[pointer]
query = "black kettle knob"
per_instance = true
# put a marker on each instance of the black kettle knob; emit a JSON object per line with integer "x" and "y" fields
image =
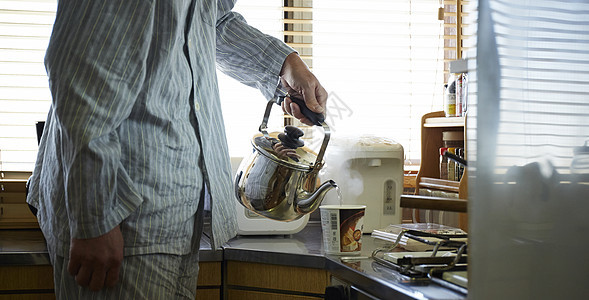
{"x": 290, "y": 137}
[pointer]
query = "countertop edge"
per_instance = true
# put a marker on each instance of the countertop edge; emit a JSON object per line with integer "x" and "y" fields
{"x": 276, "y": 258}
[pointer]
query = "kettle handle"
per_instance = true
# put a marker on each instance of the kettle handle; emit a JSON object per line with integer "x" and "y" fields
{"x": 326, "y": 135}
{"x": 315, "y": 118}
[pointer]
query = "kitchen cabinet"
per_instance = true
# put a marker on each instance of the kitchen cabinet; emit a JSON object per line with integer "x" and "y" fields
{"x": 26, "y": 282}
{"x": 36, "y": 282}
{"x": 432, "y": 126}
{"x": 209, "y": 281}
{"x": 246, "y": 280}
{"x": 255, "y": 295}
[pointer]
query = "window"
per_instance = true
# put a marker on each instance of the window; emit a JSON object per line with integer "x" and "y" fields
{"x": 25, "y": 27}
{"x": 382, "y": 63}
{"x": 243, "y": 106}
{"x": 459, "y": 30}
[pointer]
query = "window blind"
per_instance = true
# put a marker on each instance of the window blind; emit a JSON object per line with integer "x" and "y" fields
{"x": 243, "y": 106}
{"x": 25, "y": 27}
{"x": 459, "y": 20}
{"x": 530, "y": 109}
{"x": 544, "y": 82}
{"x": 298, "y": 28}
{"x": 382, "y": 64}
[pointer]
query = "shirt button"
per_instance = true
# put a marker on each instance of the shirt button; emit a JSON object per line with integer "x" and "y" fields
{"x": 196, "y": 106}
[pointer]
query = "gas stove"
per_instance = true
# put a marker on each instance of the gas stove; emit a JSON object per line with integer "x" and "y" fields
{"x": 440, "y": 253}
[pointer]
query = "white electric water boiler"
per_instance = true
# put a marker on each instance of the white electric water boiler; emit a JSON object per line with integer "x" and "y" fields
{"x": 369, "y": 171}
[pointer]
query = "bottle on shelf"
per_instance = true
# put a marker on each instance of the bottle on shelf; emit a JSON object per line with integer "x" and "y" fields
{"x": 450, "y": 99}
{"x": 443, "y": 163}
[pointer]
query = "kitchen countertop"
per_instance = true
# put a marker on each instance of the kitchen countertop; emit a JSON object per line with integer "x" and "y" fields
{"x": 304, "y": 249}
{"x": 22, "y": 247}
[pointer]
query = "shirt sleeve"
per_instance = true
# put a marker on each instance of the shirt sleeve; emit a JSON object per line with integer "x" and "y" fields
{"x": 96, "y": 64}
{"x": 248, "y": 55}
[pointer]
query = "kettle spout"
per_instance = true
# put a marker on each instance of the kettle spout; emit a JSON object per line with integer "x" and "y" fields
{"x": 310, "y": 204}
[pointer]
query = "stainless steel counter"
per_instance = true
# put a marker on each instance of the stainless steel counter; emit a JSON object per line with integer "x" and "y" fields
{"x": 22, "y": 247}
{"x": 27, "y": 247}
{"x": 304, "y": 249}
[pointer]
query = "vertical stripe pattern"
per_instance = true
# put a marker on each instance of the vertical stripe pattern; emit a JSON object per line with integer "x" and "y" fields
{"x": 147, "y": 276}
{"x": 135, "y": 127}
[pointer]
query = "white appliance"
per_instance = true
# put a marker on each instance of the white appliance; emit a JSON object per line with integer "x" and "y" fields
{"x": 250, "y": 223}
{"x": 368, "y": 170}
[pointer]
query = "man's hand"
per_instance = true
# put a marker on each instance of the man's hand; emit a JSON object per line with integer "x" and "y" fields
{"x": 96, "y": 262}
{"x": 299, "y": 81}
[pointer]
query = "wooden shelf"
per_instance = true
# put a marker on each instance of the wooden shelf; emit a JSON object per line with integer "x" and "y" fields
{"x": 444, "y": 122}
{"x": 436, "y": 203}
{"x": 432, "y": 127}
{"x": 440, "y": 184}
{"x": 431, "y": 142}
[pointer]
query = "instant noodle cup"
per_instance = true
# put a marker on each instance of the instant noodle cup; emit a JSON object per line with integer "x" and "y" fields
{"x": 342, "y": 228}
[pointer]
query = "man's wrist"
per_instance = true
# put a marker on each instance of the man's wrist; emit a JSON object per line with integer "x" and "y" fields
{"x": 290, "y": 60}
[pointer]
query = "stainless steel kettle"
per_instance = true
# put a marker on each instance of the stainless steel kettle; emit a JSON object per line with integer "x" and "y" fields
{"x": 283, "y": 187}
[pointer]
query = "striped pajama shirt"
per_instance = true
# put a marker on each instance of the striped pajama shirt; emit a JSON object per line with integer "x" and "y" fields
{"x": 135, "y": 128}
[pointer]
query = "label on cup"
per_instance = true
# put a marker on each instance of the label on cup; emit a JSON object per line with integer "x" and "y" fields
{"x": 342, "y": 227}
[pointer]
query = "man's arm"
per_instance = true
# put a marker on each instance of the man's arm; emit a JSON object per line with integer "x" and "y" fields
{"x": 96, "y": 262}
{"x": 258, "y": 60}
{"x": 299, "y": 81}
{"x": 95, "y": 62}
{"x": 96, "y": 65}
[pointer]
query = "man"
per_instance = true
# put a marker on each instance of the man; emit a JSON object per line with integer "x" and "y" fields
{"x": 135, "y": 134}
